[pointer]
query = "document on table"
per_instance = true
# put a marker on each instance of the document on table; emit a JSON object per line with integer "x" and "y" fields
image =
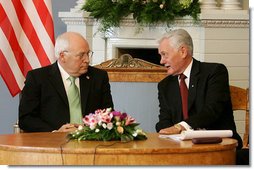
{"x": 190, "y": 134}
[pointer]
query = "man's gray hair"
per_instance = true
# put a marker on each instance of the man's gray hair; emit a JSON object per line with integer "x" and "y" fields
{"x": 178, "y": 38}
{"x": 61, "y": 45}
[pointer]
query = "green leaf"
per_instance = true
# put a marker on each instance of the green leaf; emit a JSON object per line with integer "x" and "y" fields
{"x": 111, "y": 13}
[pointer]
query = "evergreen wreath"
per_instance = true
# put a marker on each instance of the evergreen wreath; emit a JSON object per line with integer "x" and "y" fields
{"x": 145, "y": 12}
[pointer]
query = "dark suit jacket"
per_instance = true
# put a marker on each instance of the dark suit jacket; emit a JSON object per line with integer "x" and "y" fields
{"x": 44, "y": 104}
{"x": 209, "y": 102}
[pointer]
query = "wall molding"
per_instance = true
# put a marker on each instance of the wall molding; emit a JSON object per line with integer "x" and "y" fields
{"x": 209, "y": 18}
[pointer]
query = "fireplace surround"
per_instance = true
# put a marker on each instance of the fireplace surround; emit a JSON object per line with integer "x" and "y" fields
{"x": 105, "y": 46}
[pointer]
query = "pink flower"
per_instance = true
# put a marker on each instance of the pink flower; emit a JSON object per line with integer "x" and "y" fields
{"x": 129, "y": 120}
{"x": 119, "y": 116}
{"x": 90, "y": 119}
{"x": 123, "y": 116}
{"x": 115, "y": 113}
{"x": 107, "y": 118}
{"x": 92, "y": 126}
{"x": 100, "y": 116}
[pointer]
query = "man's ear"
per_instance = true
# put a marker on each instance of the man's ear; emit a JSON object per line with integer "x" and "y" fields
{"x": 62, "y": 57}
{"x": 183, "y": 51}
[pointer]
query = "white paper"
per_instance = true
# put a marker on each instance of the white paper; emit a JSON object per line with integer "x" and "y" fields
{"x": 190, "y": 134}
{"x": 174, "y": 137}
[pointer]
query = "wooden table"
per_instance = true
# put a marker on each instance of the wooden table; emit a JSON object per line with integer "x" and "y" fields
{"x": 55, "y": 149}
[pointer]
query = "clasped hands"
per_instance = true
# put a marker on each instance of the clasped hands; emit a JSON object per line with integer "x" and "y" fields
{"x": 176, "y": 129}
{"x": 68, "y": 128}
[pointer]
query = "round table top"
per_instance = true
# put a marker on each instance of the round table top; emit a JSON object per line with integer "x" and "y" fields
{"x": 54, "y": 142}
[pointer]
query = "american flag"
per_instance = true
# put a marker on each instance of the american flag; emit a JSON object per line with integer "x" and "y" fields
{"x": 26, "y": 39}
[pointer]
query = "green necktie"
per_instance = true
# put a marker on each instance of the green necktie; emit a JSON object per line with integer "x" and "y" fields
{"x": 74, "y": 102}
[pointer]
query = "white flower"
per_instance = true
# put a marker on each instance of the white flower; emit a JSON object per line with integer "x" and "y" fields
{"x": 92, "y": 126}
{"x": 108, "y": 110}
{"x": 140, "y": 132}
{"x": 161, "y": 6}
{"x": 80, "y": 127}
{"x": 110, "y": 126}
{"x": 137, "y": 132}
{"x": 104, "y": 125}
{"x": 118, "y": 123}
{"x": 97, "y": 130}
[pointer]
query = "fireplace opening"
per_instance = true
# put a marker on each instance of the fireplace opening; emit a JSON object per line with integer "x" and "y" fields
{"x": 150, "y": 55}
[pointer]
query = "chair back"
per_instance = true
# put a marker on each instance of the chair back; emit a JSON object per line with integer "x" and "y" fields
{"x": 240, "y": 101}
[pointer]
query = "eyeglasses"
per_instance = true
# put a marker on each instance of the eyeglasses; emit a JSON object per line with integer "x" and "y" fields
{"x": 82, "y": 55}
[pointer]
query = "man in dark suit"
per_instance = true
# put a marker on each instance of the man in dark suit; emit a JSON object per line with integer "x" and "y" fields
{"x": 44, "y": 103}
{"x": 208, "y": 104}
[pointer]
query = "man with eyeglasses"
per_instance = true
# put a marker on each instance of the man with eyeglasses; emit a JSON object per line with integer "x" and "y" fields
{"x": 45, "y": 104}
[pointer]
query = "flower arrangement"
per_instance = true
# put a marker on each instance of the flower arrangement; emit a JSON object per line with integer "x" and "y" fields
{"x": 145, "y": 12}
{"x": 107, "y": 125}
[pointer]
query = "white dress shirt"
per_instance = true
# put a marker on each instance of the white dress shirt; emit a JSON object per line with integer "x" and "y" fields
{"x": 65, "y": 79}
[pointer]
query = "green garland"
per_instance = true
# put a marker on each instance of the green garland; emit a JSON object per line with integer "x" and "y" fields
{"x": 145, "y": 12}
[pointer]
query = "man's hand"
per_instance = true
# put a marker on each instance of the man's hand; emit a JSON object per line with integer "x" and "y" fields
{"x": 68, "y": 128}
{"x": 176, "y": 129}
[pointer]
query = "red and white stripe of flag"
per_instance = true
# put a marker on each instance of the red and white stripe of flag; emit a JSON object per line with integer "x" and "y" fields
{"x": 26, "y": 39}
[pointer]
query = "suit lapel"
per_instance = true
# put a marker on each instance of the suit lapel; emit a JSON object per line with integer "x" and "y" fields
{"x": 56, "y": 81}
{"x": 193, "y": 83}
{"x": 85, "y": 81}
{"x": 175, "y": 95}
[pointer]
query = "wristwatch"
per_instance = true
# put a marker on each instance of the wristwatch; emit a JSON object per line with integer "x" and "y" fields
{"x": 179, "y": 127}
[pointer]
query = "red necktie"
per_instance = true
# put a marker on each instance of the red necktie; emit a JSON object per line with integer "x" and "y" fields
{"x": 184, "y": 95}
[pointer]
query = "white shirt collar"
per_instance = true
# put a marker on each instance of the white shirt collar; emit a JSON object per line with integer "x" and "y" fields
{"x": 187, "y": 71}
{"x": 65, "y": 77}
{"x": 64, "y": 74}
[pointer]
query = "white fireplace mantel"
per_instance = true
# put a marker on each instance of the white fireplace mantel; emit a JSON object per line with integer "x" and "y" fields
{"x": 209, "y": 18}
{"x": 129, "y": 36}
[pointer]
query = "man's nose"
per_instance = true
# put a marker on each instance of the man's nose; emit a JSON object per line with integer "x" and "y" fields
{"x": 162, "y": 61}
{"x": 86, "y": 59}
